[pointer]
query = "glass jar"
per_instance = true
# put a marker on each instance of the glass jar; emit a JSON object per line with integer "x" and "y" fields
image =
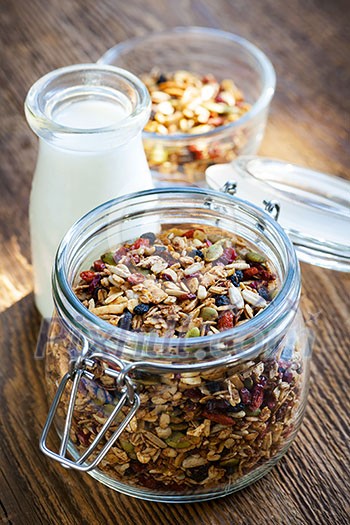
{"x": 182, "y": 158}
{"x": 175, "y": 420}
{"x": 89, "y": 120}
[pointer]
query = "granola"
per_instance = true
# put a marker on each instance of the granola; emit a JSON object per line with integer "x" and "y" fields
{"x": 195, "y": 430}
{"x": 181, "y": 283}
{"x": 188, "y": 103}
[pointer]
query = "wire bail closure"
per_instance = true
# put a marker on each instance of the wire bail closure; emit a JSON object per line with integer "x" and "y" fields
{"x": 128, "y": 396}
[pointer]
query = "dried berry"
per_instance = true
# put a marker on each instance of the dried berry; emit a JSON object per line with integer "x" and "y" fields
{"x": 237, "y": 408}
{"x": 118, "y": 255}
{"x": 226, "y": 320}
{"x": 246, "y": 396}
{"x": 250, "y": 272}
{"x": 150, "y": 236}
{"x": 87, "y": 276}
{"x": 236, "y": 278}
{"x": 217, "y": 405}
{"x": 99, "y": 265}
{"x": 219, "y": 418}
{"x": 125, "y": 321}
{"x": 139, "y": 243}
{"x": 199, "y": 473}
{"x": 222, "y": 300}
{"x": 199, "y": 253}
{"x": 141, "y": 308}
{"x": 229, "y": 255}
{"x": 263, "y": 291}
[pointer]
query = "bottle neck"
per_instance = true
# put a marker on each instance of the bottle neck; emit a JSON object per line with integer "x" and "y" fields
{"x": 88, "y": 107}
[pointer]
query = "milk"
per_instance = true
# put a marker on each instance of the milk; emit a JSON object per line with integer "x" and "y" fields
{"x": 70, "y": 181}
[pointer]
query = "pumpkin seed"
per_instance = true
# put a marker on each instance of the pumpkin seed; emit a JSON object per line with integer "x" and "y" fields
{"x": 255, "y": 257}
{"x": 208, "y": 313}
{"x": 213, "y": 252}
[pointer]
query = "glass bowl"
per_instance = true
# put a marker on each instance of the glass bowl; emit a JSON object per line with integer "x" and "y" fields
{"x": 182, "y": 158}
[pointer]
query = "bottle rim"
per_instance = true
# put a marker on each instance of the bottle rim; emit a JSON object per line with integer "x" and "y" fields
{"x": 92, "y": 80}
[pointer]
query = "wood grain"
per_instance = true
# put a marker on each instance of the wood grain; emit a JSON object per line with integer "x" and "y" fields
{"x": 308, "y": 44}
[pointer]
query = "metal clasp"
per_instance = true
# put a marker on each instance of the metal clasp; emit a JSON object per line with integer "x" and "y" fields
{"x": 273, "y": 208}
{"x": 128, "y": 396}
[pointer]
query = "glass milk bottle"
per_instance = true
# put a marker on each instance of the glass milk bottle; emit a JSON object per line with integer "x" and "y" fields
{"x": 89, "y": 120}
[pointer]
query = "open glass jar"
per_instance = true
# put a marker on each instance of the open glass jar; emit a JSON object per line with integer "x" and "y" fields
{"x": 175, "y": 420}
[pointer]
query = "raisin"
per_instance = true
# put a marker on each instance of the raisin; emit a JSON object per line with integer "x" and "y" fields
{"x": 214, "y": 386}
{"x": 263, "y": 291}
{"x": 199, "y": 253}
{"x": 150, "y": 236}
{"x": 162, "y": 78}
{"x": 199, "y": 473}
{"x": 236, "y": 278}
{"x": 125, "y": 321}
{"x": 222, "y": 300}
{"x": 141, "y": 309}
{"x": 217, "y": 405}
{"x": 237, "y": 408}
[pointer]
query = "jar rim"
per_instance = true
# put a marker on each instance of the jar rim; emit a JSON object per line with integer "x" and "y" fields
{"x": 267, "y": 71}
{"x": 41, "y": 122}
{"x": 257, "y": 330}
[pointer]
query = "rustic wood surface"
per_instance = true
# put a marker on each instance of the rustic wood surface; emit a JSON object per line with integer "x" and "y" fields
{"x": 307, "y": 42}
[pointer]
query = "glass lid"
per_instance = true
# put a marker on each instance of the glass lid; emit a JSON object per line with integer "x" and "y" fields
{"x": 312, "y": 207}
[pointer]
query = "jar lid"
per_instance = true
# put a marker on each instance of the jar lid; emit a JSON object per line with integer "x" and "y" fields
{"x": 312, "y": 207}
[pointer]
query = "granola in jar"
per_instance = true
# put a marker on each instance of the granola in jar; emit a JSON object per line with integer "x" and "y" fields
{"x": 194, "y": 430}
{"x": 192, "y": 104}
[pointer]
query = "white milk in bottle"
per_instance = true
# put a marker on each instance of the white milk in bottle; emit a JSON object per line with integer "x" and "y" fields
{"x": 89, "y": 120}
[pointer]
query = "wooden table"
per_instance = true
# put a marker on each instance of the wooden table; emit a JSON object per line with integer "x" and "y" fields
{"x": 307, "y": 44}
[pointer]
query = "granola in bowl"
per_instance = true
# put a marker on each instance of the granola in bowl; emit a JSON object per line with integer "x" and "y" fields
{"x": 186, "y": 103}
{"x": 196, "y": 430}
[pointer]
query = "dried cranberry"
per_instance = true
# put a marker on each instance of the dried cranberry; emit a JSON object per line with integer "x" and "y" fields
{"x": 193, "y": 393}
{"x": 150, "y": 236}
{"x": 83, "y": 438}
{"x": 287, "y": 376}
{"x": 139, "y": 243}
{"x": 87, "y": 276}
{"x": 226, "y": 320}
{"x": 135, "y": 278}
{"x": 250, "y": 272}
{"x": 119, "y": 253}
{"x": 222, "y": 300}
{"x": 94, "y": 284}
{"x": 236, "y": 278}
{"x": 185, "y": 296}
{"x": 141, "y": 308}
{"x": 99, "y": 265}
{"x": 219, "y": 418}
{"x": 189, "y": 234}
{"x": 257, "y": 397}
{"x": 245, "y": 396}
{"x": 229, "y": 255}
